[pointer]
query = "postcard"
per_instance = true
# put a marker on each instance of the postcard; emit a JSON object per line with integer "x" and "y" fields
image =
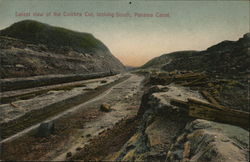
{"x": 124, "y": 80}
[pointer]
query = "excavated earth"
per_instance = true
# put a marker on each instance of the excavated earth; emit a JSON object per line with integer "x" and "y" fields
{"x": 160, "y": 132}
{"x": 141, "y": 125}
{"x": 128, "y": 117}
{"x": 31, "y": 48}
{"x": 82, "y": 124}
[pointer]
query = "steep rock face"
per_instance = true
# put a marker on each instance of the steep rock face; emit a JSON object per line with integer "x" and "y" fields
{"x": 29, "y": 48}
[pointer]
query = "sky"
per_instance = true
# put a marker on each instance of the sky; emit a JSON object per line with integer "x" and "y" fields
{"x": 185, "y": 25}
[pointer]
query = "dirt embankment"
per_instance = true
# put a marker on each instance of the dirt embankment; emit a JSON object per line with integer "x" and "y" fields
{"x": 109, "y": 142}
{"x": 45, "y": 80}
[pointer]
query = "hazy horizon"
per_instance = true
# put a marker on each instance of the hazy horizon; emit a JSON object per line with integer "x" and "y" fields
{"x": 191, "y": 25}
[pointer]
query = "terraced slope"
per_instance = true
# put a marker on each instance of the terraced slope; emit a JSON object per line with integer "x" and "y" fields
{"x": 29, "y": 48}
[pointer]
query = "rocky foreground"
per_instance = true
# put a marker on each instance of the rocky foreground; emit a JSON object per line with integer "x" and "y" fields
{"x": 164, "y": 130}
{"x": 166, "y": 134}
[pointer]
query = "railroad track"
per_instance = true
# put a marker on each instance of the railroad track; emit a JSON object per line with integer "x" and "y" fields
{"x": 36, "y": 116}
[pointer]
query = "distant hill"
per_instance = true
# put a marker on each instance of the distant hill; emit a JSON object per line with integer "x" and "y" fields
{"x": 29, "y": 48}
{"x": 160, "y": 61}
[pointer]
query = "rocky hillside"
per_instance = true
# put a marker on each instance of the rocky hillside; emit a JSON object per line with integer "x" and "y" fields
{"x": 29, "y": 48}
{"x": 164, "y": 59}
{"x": 191, "y": 111}
{"x": 228, "y": 59}
{"x": 225, "y": 66}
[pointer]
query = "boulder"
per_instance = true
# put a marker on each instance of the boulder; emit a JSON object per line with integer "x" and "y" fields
{"x": 69, "y": 154}
{"x": 45, "y": 129}
{"x": 78, "y": 148}
{"x": 105, "y": 107}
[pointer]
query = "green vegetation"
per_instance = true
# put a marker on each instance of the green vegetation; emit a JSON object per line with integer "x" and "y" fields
{"x": 53, "y": 37}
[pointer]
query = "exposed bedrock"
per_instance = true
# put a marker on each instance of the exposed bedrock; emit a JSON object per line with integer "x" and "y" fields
{"x": 167, "y": 134}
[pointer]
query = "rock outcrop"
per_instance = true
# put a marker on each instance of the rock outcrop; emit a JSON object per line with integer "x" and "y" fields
{"x": 30, "y": 48}
{"x": 167, "y": 134}
{"x": 204, "y": 140}
{"x": 105, "y": 107}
